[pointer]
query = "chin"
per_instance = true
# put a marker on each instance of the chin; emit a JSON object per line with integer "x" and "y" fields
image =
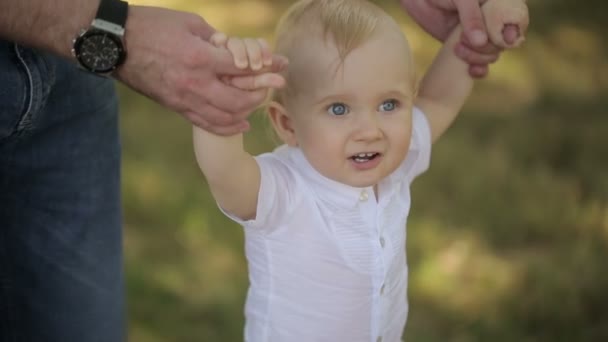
{"x": 364, "y": 183}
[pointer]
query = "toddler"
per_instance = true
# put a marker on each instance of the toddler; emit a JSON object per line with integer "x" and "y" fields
{"x": 325, "y": 214}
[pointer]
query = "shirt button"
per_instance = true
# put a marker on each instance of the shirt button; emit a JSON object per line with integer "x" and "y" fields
{"x": 379, "y": 339}
{"x": 364, "y": 196}
{"x": 382, "y": 242}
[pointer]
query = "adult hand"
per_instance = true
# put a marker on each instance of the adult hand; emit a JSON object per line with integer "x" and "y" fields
{"x": 171, "y": 61}
{"x": 439, "y": 17}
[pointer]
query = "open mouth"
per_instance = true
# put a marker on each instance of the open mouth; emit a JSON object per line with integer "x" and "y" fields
{"x": 364, "y": 157}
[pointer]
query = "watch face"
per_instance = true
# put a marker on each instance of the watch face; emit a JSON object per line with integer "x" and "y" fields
{"x": 99, "y": 52}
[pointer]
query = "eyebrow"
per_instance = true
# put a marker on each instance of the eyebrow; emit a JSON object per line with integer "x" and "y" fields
{"x": 331, "y": 98}
{"x": 394, "y": 93}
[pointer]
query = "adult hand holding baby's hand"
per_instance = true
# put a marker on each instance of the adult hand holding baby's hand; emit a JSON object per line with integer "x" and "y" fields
{"x": 440, "y": 17}
{"x": 172, "y": 61}
{"x": 253, "y": 54}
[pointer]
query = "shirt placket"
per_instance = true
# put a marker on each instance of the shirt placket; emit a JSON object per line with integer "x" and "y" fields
{"x": 372, "y": 214}
{"x": 383, "y": 300}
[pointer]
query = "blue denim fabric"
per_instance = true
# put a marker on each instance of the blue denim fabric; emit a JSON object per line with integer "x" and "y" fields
{"x": 60, "y": 221}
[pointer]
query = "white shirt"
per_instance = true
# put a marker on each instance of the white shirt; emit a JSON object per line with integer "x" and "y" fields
{"x": 327, "y": 261}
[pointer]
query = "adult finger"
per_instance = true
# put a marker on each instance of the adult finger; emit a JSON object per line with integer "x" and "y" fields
{"x": 472, "y": 21}
{"x": 510, "y": 34}
{"x": 513, "y": 35}
{"x": 219, "y": 39}
{"x": 505, "y": 36}
{"x": 478, "y": 71}
{"x": 254, "y": 82}
{"x": 487, "y": 49}
{"x": 471, "y": 56}
{"x": 210, "y": 115}
{"x": 516, "y": 24}
{"x": 258, "y": 96}
{"x": 231, "y": 99}
{"x": 199, "y": 26}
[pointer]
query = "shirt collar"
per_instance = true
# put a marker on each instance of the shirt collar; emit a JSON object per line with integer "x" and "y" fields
{"x": 332, "y": 190}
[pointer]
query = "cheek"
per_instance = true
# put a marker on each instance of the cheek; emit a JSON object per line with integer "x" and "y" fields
{"x": 400, "y": 134}
{"x": 315, "y": 131}
{"x": 322, "y": 144}
{"x": 319, "y": 139}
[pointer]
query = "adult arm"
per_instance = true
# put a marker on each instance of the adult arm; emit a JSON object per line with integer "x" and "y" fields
{"x": 169, "y": 57}
{"x": 48, "y": 25}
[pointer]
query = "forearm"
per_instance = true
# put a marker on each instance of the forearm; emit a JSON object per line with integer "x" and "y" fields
{"x": 46, "y": 24}
{"x": 232, "y": 174}
{"x": 445, "y": 87}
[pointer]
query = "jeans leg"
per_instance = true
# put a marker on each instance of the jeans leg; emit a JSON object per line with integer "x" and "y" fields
{"x": 60, "y": 221}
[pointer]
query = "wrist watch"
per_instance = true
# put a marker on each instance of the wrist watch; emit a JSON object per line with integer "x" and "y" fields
{"x": 100, "y": 48}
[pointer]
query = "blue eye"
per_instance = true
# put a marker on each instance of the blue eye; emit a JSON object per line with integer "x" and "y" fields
{"x": 388, "y": 106}
{"x": 337, "y": 109}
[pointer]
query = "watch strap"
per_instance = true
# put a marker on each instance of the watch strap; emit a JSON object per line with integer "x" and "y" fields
{"x": 114, "y": 11}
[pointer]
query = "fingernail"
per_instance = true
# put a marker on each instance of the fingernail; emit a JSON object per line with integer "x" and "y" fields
{"x": 478, "y": 37}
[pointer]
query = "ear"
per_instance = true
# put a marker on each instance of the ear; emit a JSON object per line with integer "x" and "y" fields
{"x": 282, "y": 123}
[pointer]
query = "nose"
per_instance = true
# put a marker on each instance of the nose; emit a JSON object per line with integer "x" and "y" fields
{"x": 367, "y": 127}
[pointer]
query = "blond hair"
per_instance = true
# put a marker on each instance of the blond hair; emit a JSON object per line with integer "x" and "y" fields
{"x": 345, "y": 23}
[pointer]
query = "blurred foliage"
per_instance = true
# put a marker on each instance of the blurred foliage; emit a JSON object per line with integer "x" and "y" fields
{"x": 508, "y": 234}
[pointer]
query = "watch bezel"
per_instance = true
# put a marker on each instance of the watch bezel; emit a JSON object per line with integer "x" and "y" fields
{"x": 97, "y": 32}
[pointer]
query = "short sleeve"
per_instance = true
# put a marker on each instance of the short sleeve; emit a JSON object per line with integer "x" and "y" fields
{"x": 275, "y": 198}
{"x": 419, "y": 154}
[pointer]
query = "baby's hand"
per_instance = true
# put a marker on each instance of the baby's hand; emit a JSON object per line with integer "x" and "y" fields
{"x": 507, "y": 22}
{"x": 253, "y": 54}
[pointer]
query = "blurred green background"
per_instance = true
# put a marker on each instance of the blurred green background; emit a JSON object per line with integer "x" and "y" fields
{"x": 508, "y": 235}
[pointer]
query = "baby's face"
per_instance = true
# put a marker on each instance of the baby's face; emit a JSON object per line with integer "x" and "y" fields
{"x": 353, "y": 119}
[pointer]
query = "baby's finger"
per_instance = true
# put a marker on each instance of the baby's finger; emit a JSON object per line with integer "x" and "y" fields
{"x": 266, "y": 53}
{"x": 487, "y": 49}
{"x": 255, "y": 82}
{"x": 239, "y": 52}
{"x": 218, "y": 39}
{"x": 254, "y": 52}
{"x": 472, "y": 21}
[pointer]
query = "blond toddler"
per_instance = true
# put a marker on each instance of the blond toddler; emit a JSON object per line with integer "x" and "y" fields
{"x": 325, "y": 213}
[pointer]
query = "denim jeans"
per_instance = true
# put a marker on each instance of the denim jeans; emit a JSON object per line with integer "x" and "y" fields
{"x": 61, "y": 277}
